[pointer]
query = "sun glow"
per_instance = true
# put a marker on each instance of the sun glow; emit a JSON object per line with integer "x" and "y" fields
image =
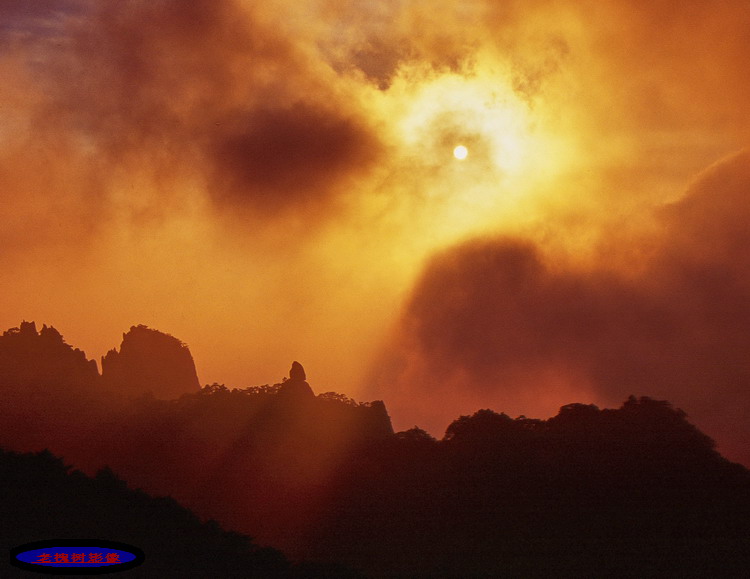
{"x": 505, "y": 151}
{"x": 479, "y": 112}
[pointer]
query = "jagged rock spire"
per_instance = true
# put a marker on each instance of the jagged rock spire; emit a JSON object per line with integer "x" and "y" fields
{"x": 296, "y": 387}
{"x": 297, "y": 372}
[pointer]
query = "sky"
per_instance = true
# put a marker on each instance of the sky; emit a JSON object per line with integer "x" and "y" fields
{"x": 276, "y": 181}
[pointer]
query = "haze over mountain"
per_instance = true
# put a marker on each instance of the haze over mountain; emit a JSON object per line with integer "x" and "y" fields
{"x": 279, "y": 178}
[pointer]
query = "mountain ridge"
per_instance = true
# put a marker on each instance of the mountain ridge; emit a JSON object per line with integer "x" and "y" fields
{"x": 325, "y": 479}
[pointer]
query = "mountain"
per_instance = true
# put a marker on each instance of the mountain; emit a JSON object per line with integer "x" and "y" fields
{"x": 28, "y": 356}
{"x": 42, "y": 498}
{"x": 634, "y": 491}
{"x": 150, "y": 361}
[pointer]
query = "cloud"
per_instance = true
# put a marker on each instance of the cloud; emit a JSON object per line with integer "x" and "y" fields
{"x": 268, "y": 110}
{"x": 288, "y": 156}
{"x": 21, "y": 20}
{"x": 502, "y": 321}
{"x": 177, "y": 163}
{"x": 209, "y": 93}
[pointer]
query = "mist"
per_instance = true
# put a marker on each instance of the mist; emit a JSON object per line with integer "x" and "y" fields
{"x": 277, "y": 182}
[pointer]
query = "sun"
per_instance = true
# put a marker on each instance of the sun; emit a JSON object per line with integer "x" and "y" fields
{"x": 460, "y": 152}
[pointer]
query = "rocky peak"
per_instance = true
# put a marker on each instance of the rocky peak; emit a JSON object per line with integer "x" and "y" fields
{"x": 297, "y": 372}
{"x": 28, "y": 356}
{"x": 296, "y": 386}
{"x": 150, "y": 361}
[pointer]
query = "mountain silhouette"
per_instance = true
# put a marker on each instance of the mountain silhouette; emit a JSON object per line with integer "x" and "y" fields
{"x": 28, "y": 356}
{"x": 42, "y": 497}
{"x": 296, "y": 387}
{"x": 634, "y": 491}
{"x": 150, "y": 361}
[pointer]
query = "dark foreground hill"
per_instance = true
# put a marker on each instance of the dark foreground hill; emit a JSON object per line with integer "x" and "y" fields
{"x": 40, "y": 498}
{"x": 631, "y": 492}
{"x": 635, "y": 491}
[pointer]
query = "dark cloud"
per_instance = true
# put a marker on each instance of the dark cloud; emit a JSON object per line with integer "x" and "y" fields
{"x": 20, "y": 19}
{"x": 209, "y": 91}
{"x": 498, "y": 317}
{"x": 287, "y": 156}
{"x": 378, "y": 39}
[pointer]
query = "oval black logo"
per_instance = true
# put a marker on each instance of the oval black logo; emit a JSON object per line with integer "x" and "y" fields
{"x": 76, "y": 557}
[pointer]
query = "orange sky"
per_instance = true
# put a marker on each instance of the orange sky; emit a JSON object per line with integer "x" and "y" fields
{"x": 276, "y": 181}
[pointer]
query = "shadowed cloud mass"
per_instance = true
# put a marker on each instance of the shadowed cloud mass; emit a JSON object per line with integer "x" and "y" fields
{"x": 502, "y": 321}
{"x": 212, "y": 86}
